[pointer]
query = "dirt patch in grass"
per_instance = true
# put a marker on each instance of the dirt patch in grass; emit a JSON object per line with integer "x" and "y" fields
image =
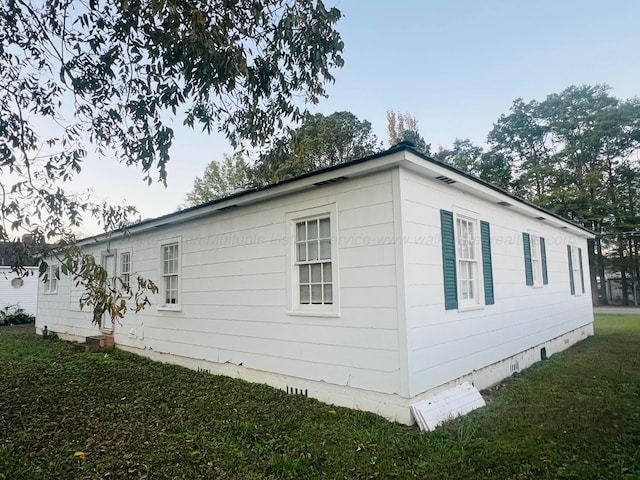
{"x": 71, "y": 415}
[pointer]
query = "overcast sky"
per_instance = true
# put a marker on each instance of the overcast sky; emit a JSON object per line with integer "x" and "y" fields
{"x": 455, "y": 65}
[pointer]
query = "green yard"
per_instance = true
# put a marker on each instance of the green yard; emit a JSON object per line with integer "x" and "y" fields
{"x": 69, "y": 415}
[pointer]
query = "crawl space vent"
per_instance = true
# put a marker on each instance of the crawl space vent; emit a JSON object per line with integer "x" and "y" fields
{"x": 330, "y": 181}
{"x": 297, "y": 391}
{"x": 446, "y": 180}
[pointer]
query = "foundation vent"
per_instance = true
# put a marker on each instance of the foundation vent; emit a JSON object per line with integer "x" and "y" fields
{"x": 514, "y": 367}
{"x": 203, "y": 370}
{"x": 297, "y": 391}
{"x": 446, "y": 180}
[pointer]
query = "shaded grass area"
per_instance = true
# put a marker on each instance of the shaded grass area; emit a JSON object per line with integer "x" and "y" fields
{"x": 71, "y": 415}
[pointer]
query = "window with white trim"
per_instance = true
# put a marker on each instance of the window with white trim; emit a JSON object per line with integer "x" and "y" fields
{"x": 466, "y": 261}
{"x": 535, "y": 260}
{"x": 125, "y": 269}
{"x": 467, "y": 256}
{"x": 171, "y": 274}
{"x": 576, "y": 270}
{"x": 53, "y": 275}
{"x": 313, "y": 261}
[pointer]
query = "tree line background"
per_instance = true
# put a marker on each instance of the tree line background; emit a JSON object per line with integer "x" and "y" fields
{"x": 575, "y": 153}
{"x": 112, "y": 77}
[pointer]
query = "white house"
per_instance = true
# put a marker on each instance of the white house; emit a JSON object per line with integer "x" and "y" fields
{"x": 19, "y": 291}
{"x": 371, "y": 284}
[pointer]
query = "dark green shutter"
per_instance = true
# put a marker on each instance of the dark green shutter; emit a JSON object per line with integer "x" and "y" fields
{"x": 543, "y": 254}
{"x": 528, "y": 268}
{"x": 487, "y": 267}
{"x": 449, "y": 261}
{"x": 573, "y": 287}
{"x": 581, "y": 271}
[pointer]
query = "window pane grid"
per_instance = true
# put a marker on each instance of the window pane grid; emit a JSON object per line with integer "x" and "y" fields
{"x": 51, "y": 285}
{"x": 466, "y": 240}
{"x": 170, "y": 259}
{"x": 536, "y": 264}
{"x": 575, "y": 265}
{"x": 467, "y": 261}
{"x": 125, "y": 269}
{"x": 170, "y": 266}
{"x": 467, "y": 280}
{"x": 315, "y": 283}
{"x": 171, "y": 289}
{"x": 313, "y": 258}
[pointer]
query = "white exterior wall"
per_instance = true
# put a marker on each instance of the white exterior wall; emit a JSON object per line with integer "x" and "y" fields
{"x": 24, "y": 296}
{"x": 234, "y": 306}
{"x": 486, "y": 344}
{"x": 391, "y": 340}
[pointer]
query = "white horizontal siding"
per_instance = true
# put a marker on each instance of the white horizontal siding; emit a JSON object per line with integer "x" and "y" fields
{"x": 376, "y": 275}
{"x": 198, "y": 279}
{"x": 448, "y": 344}
{"x": 234, "y": 300}
{"x": 24, "y": 296}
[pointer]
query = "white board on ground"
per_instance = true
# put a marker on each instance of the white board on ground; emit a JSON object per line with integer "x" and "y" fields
{"x": 451, "y": 403}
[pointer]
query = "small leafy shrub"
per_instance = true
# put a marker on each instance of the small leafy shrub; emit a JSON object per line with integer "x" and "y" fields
{"x": 14, "y": 315}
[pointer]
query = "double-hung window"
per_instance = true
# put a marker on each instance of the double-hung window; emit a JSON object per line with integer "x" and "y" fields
{"x": 535, "y": 260}
{"x": 576, "y": 272}
{"x": 125, "y": 270}
{"x": 171, "y": 274}
{"x": 466, "y": 259}
{"x": 313, "y": 261}
{"x": 51, "y": 283}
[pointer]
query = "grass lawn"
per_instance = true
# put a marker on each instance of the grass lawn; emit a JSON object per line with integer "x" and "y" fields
{"x": 69, "y": 415}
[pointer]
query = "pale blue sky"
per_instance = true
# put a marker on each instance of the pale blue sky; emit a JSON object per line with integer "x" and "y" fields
{"x": 454, "y": 65}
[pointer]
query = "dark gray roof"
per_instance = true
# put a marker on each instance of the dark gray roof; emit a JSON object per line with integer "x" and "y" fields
{"x": 400, "y": 147}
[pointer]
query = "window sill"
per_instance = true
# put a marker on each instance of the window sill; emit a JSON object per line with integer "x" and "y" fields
{"x": 468, "y": 308}
{"x": 313, "y": 313}
{"x": 169, "y": 308}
